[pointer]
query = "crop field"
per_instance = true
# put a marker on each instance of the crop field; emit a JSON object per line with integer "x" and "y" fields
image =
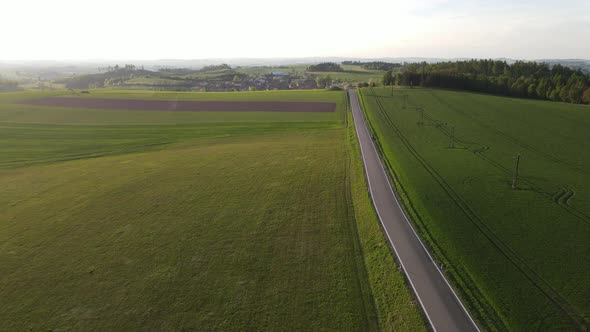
{"x": 183, "y": 105}
{"x": 519, "y": 257}
{"x": 149, "y": 220}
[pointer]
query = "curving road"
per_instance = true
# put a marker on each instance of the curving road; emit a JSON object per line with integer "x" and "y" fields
{"x": 442, "y": 307}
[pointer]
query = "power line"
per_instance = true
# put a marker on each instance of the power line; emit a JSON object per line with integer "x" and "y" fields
{"x": 421, "y": 111}
{"x": 452, "y": 138}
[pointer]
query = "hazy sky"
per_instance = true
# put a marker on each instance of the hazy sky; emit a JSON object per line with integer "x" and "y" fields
{"x": 145, "y": 29}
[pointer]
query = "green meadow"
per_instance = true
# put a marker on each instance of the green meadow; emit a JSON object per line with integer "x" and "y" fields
{"x": 139, "y": 220}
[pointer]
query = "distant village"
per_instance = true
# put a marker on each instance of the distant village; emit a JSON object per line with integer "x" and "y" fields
{"x": 276, "y": 80}
{"x": 212, "y": 78}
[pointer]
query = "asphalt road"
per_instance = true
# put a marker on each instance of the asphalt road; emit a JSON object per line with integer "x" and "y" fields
{"x": 442, "y": 307}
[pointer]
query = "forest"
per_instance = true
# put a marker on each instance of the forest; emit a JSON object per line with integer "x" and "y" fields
{"x": 326, "y": 67}
{"x": 8, "y": 85}
{"x": 521, "y": 79}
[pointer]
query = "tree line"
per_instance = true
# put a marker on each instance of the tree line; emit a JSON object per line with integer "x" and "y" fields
{"x": 127, "y": 67}
{"x": 374, "y": 65}
{"x": 8, "y": 85}
{"x": 108, "y": 76}
{"x": 521, "y": 79}
{"x": 380, "y": 65}
{"x": 325, "y": 66}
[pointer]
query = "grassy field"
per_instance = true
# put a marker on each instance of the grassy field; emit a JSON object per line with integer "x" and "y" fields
{"x": 118, "y": 220}
{"x": 519, "y": 256}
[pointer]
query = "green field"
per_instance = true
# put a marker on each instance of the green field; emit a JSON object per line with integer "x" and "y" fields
{"x": 519, "y": 257}
{"x": 132, "y": 220}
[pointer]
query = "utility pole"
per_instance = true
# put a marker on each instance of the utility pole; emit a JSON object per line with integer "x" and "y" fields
{"x": 515, "y": 178}
{"x": 422, "y": 77}
{"x": 421, "y": 110}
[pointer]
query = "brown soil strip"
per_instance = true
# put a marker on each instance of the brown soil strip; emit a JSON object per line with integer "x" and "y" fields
{"x": 183, "y": 106}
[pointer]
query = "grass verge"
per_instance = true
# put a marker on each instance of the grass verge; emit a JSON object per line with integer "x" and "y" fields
{"x": 394, "y": 303}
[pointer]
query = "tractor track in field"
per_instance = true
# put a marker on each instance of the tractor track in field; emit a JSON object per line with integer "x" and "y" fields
{"x": 563, "y": 196}
{"x": 543, "y": 286}
{"x": 480, "y": 152}
{"x": 510, "y": 138}
{"x": 536, "y": 188}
